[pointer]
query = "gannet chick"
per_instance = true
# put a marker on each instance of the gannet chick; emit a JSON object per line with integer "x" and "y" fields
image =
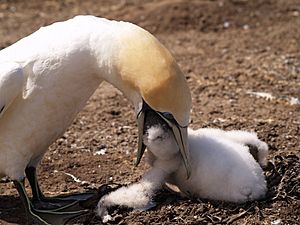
{"x": 221, "y": 165}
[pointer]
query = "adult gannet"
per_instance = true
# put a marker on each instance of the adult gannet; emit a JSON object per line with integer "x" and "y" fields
{"x": 47, "y": 77}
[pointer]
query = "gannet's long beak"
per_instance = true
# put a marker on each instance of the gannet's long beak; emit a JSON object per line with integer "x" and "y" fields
{"x": 180, "y": 134}
{"x": 141, "y": 145}
{"x": 181, "y": 137}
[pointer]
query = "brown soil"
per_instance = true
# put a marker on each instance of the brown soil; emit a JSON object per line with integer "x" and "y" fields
{"x": 226, "y": 49}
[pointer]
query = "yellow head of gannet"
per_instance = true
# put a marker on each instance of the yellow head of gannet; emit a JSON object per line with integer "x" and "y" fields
{"x": 148, "y": 68}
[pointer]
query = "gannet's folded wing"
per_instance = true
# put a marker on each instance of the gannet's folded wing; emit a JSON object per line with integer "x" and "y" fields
{"x": 11, "y": 84}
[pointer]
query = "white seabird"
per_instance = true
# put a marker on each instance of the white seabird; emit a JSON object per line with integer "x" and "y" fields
{"x": 47, "y": 77}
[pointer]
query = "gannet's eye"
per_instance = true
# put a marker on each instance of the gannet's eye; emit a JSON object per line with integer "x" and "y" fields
{"x": 2, "y": 108}
{"x": 168, "y": 115}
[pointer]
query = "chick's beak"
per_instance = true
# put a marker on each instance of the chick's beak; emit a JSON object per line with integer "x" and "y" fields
{"x": 180, "y": 134}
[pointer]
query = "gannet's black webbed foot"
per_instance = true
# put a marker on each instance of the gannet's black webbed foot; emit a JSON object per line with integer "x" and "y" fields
{"x": 44, "y": 217}
{"x": 61, "y": 203}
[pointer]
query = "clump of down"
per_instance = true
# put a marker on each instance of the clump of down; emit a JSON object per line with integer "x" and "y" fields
{"x": 226, "y": 165}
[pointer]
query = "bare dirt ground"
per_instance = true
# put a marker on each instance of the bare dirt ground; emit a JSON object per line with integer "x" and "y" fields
{"x": 228, "y": 50}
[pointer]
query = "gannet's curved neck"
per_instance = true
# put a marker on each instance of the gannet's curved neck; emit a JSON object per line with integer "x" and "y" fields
{"x": 106, "y": 53}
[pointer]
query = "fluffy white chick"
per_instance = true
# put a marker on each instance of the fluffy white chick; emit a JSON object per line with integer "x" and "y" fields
{"x": 221, "y": 164}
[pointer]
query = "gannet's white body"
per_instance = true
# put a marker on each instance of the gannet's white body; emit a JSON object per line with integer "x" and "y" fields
{"x": 221, "y": 169}
{"x": 58, "y": 78}
{"x": 59, "y": 67}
